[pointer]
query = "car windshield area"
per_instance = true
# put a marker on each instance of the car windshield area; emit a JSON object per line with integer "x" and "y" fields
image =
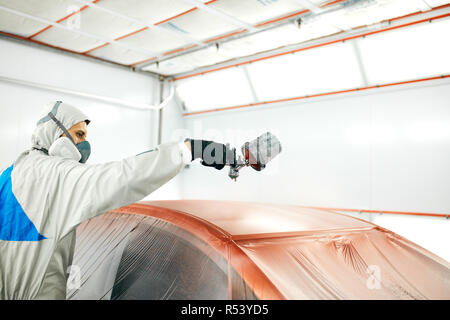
{"x": 134, "y": 257}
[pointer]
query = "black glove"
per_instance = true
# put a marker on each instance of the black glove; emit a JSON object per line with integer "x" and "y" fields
{"x": 213, "y": 154}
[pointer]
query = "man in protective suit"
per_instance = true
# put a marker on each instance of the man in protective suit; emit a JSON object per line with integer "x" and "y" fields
{"x": 49, "y": 191}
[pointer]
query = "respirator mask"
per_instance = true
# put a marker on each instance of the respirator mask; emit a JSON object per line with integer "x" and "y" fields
{"x": 66, "y": 148}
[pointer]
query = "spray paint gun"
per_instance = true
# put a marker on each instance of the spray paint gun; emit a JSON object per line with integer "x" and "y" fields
{"x": 256, "y": 154}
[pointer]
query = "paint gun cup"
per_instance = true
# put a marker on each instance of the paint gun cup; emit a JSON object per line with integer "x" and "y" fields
{"x": 259, "y": 152}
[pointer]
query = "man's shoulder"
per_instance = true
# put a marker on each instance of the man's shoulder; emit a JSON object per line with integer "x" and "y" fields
{"x": 37, "y": 164}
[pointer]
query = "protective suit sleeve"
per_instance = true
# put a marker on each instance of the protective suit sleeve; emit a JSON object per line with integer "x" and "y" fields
{"x": 186, "y": 153}
{"x": 85, "y": 191}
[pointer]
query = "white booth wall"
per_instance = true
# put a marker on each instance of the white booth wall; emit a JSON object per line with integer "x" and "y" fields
{"x": 172, "y": 129}
{"x": 115, "y": 131}
{"x": 385, "y": 149}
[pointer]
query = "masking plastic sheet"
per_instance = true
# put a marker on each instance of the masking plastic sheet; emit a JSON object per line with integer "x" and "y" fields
{"x": 127, "y": 256}
{"x": 194, "y": 249}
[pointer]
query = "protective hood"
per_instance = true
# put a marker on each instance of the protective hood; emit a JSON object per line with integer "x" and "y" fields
{"x": 47, "y": 131}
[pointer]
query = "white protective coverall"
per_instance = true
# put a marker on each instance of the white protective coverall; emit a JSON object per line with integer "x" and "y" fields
{"x": 44, "y": 198}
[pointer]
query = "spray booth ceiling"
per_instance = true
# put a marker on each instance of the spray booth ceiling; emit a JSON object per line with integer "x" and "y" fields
{"x": 176, "y": 37}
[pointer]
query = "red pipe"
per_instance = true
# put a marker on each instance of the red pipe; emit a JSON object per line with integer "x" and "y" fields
{"x": 55, "y": 47}
{"x": 180, "y": 49}
{"x": 226, "y": 35}
{"x": 145, "y": 28}
{"x": 441, "y": 215}
{"x": 281, "y": 18}
{"x": 62, "y": 19}
{"x": 95, "y": 48}
{"x": 174, "y": 17}
{"x": 317, "y": 95}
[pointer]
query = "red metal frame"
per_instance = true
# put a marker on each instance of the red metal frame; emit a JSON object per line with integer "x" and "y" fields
{"x": 86, "y": 53}
{"x": 158, "y": 23}
{"x": 56, "y": 47}
{"x": 319, "y": 45}
{"x": 62, "y": 19}
{"x": 440, "y": 215}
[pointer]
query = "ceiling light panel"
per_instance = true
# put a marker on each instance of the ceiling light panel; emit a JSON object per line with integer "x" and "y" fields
{"x": 407, "y": 54}
{"x": 150, "y": 11}
{"x": 169, "y": 67}
{"x": 215, "y": 90}
{"x": 284, "y": 35}
{"x": 292, "y": 34}
{"x": 154, "y": 41}
{"x": 188, "y": 62}
{"x": 191, "y": 61}
{"x": 67, "y": 39}
{"x": 100, "y": 23}
{"x": 253, "y": 44}
{"x": 436, "y": 3}
{"x": 12, "y": 23}
{"x": 254, "y": 11}
{"x": 319, "y": 70}
{"x": 367, "y": 12}
{"x": 52, "y": 10}
{"x": 201, "y": 25}
{"x": 204, "y": 57}
{"x": 119, "y": 54}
